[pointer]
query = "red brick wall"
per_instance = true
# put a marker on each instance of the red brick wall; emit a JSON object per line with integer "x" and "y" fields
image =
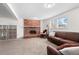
{"x": 29, "y": 25}
{"x": 32, "y": 23}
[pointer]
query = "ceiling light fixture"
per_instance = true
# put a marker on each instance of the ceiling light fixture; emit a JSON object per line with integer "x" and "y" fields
{"x": 49, "y": 5}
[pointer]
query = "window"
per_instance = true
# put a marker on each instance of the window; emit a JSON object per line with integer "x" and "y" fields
{"x": 58, "y": 23}
{"x": 62, "y": 22}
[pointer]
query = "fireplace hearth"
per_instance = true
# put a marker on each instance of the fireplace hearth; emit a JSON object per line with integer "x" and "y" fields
{"x": 31, "y": 32}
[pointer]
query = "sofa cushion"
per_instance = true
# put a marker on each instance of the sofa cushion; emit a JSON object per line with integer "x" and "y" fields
{"x": 70, "y": 51}
{"x": 67, "y": 45}
{"x": 52, "y": 33}
{"x": 59, "y": 41}
{"x": 64, "y": 40}
{"x": 68, "y": 35}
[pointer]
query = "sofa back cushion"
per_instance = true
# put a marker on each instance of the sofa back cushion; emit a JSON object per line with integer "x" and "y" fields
{"x": 68, "y": 35}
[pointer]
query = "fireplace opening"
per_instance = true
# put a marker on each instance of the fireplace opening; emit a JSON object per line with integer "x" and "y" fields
{"x": 32, "y": 31}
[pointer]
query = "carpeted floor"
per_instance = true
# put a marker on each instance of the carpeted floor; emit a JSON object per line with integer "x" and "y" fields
{"x": 29, "y": 46}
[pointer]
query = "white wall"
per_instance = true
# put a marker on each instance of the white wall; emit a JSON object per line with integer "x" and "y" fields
{"x": 20, "y": 28}
{"x": 44, "y": 24}
{"x": 7, "y": 21}
{"x": 10, "y": 21}
{"x": 73, "y": 21}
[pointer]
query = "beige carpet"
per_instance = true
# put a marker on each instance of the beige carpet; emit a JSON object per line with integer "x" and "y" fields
{"x": 29, "y": 46}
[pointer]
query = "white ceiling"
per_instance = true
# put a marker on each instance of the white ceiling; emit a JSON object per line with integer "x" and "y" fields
{"x": 4, "y": 12}
{"x": 37, "y": 10}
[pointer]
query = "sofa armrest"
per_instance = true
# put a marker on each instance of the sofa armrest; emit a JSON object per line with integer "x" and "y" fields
{"x": 52, "y": 51}
{"x": 66, "y": 45}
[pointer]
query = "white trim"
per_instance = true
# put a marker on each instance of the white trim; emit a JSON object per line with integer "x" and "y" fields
{"x": 11, "y": 8}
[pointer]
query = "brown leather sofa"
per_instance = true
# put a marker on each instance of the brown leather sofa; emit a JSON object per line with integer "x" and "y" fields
{"x": 55, "y": 51}
{"x": 64, "y": 37}
{"x": 62, "y": 40}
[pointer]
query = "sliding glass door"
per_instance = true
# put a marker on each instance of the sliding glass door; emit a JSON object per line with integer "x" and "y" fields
{"x": 7, "y": 32}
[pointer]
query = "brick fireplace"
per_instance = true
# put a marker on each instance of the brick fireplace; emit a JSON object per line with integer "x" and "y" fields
{"x": 31, "y": 28}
